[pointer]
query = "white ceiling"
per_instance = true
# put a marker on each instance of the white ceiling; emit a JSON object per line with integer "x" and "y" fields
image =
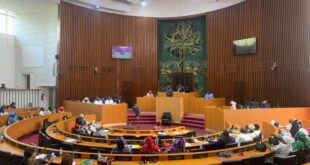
{"x": 154, "y": 8}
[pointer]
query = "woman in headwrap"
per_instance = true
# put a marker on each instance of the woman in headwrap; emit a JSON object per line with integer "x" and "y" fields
{"x": 302, "y": 142}
{"x": 12, "y": 118}
{"x": 177, "y": 146}
{"x": 120, "y": 147}
{"x": 149, "y": 146}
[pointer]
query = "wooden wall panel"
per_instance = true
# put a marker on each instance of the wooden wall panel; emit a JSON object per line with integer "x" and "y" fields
{"x": 87, "y": 37}
{"x": 282, "y": 28}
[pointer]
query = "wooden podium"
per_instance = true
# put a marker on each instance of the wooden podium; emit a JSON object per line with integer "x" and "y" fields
{"x": 146, "y": 104}
{"x": 186, "y": 98}
{"x": 106, "y": 113}
{"x": 174, "y": 105}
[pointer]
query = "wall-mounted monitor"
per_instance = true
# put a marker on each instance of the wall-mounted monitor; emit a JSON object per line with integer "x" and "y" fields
{"x": 122, "y": 52}
{"x": 245, "y": 46}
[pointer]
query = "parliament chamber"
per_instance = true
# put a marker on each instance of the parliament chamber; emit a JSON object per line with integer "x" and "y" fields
{"x": 127, "y": 82}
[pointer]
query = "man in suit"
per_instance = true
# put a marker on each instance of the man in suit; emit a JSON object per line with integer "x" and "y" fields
{"x": 169, "y": 91}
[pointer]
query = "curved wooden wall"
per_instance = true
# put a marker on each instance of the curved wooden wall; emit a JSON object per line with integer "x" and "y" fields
{"x": 282, "y": 31}
{"x": 281, "y": 28}
{"x": 86, "y": 41}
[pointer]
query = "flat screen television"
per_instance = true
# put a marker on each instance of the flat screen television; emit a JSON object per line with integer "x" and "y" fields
{"x": 122, "y": 52}
{"x": 245, "y": 46}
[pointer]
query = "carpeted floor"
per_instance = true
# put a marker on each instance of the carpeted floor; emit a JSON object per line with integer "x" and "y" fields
{"x": 32, "y": 139}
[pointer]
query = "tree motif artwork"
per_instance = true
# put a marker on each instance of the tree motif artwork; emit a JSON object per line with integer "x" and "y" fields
{"x": 182, "y": 40}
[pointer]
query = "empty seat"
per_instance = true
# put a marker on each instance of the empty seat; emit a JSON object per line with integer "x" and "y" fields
{"x": 166, "y": 118}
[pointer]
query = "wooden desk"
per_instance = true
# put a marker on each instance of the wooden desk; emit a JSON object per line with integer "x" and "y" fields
{"x": 174, "y": 105}
{"x": 107, "y": 113}
{"x": 306, "y": 123}
{"x": 215, "y": 117}
{"x": 186, "y": 98}
{"x": 197, "y": 104}
{"x": 21, "y": 112}
{"x": 146, "y": 104}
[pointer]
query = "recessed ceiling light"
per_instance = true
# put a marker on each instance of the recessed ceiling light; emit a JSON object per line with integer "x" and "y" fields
{"x": 143, "y": 2}
{"x": 97, "y": 6}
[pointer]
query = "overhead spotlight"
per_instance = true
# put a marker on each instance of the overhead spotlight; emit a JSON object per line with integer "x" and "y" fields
{"x": 97, "y": 6}
{"x": 143, "y": 2}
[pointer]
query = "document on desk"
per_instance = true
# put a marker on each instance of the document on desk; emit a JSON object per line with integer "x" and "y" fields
{"x": 69, "y": 140}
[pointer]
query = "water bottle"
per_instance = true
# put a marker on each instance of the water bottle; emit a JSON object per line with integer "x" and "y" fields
{"x": 60, "y": 151}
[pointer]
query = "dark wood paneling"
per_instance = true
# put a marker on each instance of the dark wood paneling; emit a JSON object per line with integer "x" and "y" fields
{"x": 87, "y": 37}
{"x": 282, "y": 28}
{"x": 283, "y": 36}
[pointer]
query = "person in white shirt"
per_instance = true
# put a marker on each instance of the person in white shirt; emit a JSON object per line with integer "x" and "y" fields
{"x": 149, "y": 94}
{"x": 42, "y": 112}
{"x": 283, "y": 146}
{"x": 109, "y": 101}
{"x": 243, "y": 137}
{"x": 256, "y": 132}
{"x": 86, "y": 100}
{"x": 98, "y": 101}
{"x": 233, "y": 105}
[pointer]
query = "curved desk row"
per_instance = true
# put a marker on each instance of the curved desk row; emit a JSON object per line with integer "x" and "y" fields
{"x": 215, "y": 118}
{"x": 20, "y": 112}
{"x": 11, "y": 144}
{"x": 66, "y": 126}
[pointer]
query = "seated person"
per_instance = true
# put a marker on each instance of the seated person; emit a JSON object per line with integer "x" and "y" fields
{"x": 224, "y": 139}
{"x": 80, "y": 121}
{"x": 301, "y": 143}
{"x": 98, "y": 101}
{"x": 2, "y": 110}
{"x": 243, "y": 137}
{"x": 104, "y": 160}
{"x": 67, "y": 159}
{"x": 136, "y": 110}
{"x": 109, "y": 101}
{"x": 256, "y": 132}
{"x": 86, "y": 100}
{"x": 233, "y": 104}
{"x": 42, "y": 112}
{"x": 149, "y": 94}
{"x": 2, "y": 86}
{"x": 281, "y": 146}
{"x": 29, "y": 157}
{"x": 13, "y": 105}
{"x": 169, "y": 91}
{"x": 208, "y": 95}
{"x": 177, "y": 146}
{"x": 120, "y": 147}
{"x": 180, "y": 88}
{"x": 296, "y": 125}
{"x": 117, "y": 99}
{"x": 12, "y": 118}
{"x": 61, "y": 109}
{"x": 265, "y": 104}
{"x": 149, "y": 146}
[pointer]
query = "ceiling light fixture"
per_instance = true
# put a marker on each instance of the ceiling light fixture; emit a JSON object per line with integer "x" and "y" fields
{"x": 143, "y": 2}
{"x": 97, "y": 6}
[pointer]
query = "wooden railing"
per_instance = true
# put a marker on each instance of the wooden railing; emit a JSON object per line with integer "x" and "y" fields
{"x": 22, "y": 97}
